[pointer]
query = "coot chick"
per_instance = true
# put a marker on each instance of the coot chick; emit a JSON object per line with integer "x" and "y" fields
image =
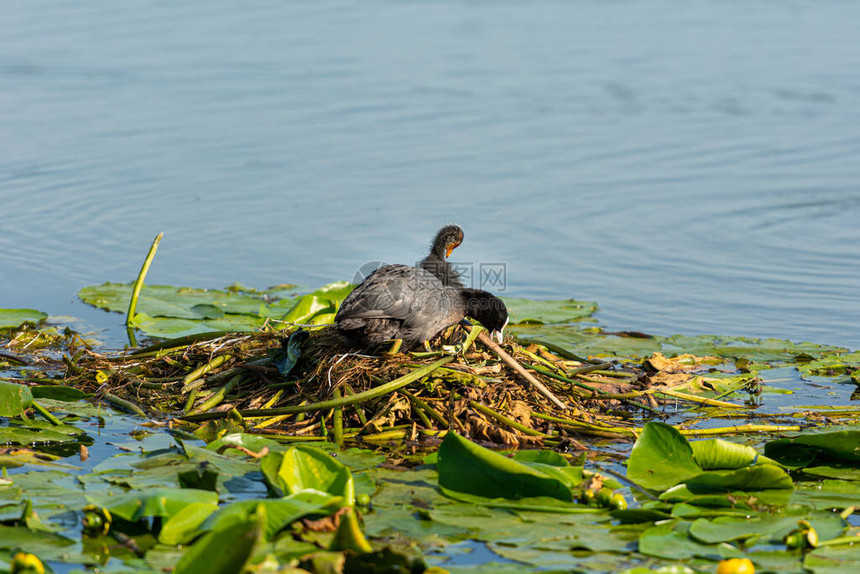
{"x": 411, "y": 304}
{"x": 448, "y": 238}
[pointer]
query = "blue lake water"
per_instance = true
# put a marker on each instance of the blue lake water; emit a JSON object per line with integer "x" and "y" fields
{"x": 693, "y": 167}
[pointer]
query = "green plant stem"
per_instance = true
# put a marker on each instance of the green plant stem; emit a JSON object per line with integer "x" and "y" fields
{"x": 341, "y": 402}
{"x": 567, "y": 380}
{"x": 385, "y": 436}
{"x": 189, "y": 404}
{"x": 337, "y": 421}
{"x": 563, "y": 353}
{"x": 701, "y": 400}
{"x": 358, "y": 408}
{"x": 150, "y": 384}
{"x": 741, "y": 429}
{"x": 425, "y": 409}
{"x": 218, "y": 395}
{"x": 624, "y": 375}
{"x": 138, "y": 284}
{"x": 587, "y": 428}
{"x": 216, "y": 362}
{"x": 46, "y": 414}
{"x": 124, "y": 404}
{"x": 178, "y": 343}
{"x": 537, "y": 358}
{"x": 599, "y": 392}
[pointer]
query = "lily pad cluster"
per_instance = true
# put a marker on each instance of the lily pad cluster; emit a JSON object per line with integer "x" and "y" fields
{"x": 248, "y": 503}
{"x": 286, "y": 452}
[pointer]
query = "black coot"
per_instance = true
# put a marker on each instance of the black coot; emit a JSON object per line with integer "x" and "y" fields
{"x": 411, "y": 304}
{"x": 448, "y": 238}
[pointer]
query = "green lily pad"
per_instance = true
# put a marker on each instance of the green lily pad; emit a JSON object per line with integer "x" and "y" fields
{"x": 661, "y": 458}
{"x": 280, "y": 513}
{"x": 14, "y": 399}
{"x": 249, "y": 441}
{"x": 827, "y": 494}
{"x": 751, "y": 478}
{"x": 548, "y": 457}
{"x": 809, "y": 448}
{"x": 45, "y": 544}
{"x": 766, "y": 528}
{"x": 722, "y": 454}
{"x": 30, "y": 436}
{"x": 299, "y": 469}
{"x": 225, "y": 550}
{"x": 58, "y": 393}
{"x": 170, "y": 301}
{"x": 182, "y": 526}
{"x": 840, "y": 471}
{"x": 833, "y": 559}
{"x": 12, "y": 318}
{"x": 160, "y": 502}
{"x": 471, "y": 469}
{"x": 671, "y": 540}
{"x": 319, "y": 307}
{"x": 171, "y": 312}
{"x": 173, "y": 328}
{"x": 759, "y": 350}
{"x": 541, "y": 312}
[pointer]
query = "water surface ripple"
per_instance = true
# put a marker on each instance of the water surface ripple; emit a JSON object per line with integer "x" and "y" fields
{"x": 691, "y": 167}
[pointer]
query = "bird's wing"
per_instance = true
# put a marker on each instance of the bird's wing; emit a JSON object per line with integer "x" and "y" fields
{"x": 390, "y": 292}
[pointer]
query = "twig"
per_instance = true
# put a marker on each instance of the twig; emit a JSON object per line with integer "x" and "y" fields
{"x": 512, "y": 363}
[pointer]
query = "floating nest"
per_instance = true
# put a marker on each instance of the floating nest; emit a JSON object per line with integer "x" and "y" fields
{"x": 309, "y": 385}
